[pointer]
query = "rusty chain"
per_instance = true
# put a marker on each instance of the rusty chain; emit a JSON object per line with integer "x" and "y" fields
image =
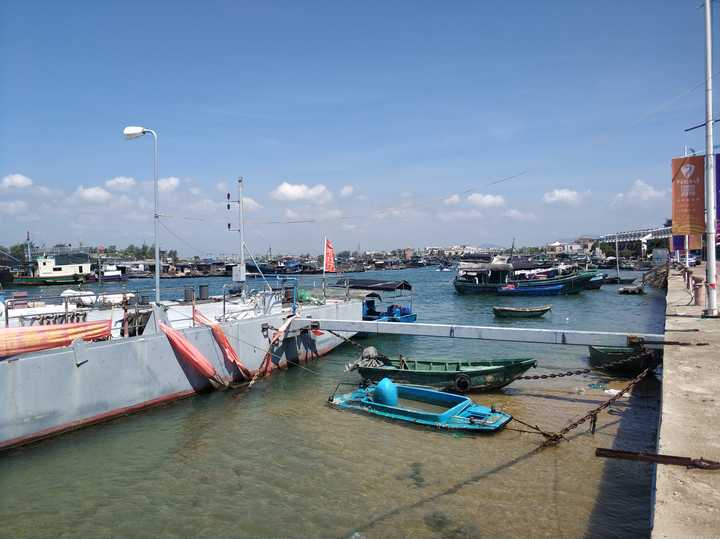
{"x": 555, "y": 438}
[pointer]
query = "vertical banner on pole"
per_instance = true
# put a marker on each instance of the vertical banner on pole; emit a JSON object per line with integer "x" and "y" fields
{"x": 688, "y": 195}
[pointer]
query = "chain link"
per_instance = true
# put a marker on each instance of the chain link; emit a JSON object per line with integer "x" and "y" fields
{"x": 592, "y": 414}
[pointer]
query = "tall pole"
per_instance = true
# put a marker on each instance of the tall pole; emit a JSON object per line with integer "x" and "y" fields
{"x": 617, "y": 258}
{"x": 710, "y": 213}
{"x": 241, "y": 228}
{"x": 158, "y": 267}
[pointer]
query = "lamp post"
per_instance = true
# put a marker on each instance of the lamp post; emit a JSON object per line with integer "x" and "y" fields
{"x": 132, "y": 132}
{"x": 710, "y": 202}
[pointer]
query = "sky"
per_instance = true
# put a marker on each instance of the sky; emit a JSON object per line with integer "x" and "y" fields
{"x": 383, "y": 124}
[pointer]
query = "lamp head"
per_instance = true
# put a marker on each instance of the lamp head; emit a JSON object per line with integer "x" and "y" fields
{"x": 134, "y": 131}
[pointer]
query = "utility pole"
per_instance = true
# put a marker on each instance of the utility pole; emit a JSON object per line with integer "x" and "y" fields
{"x": 710, "y": 208}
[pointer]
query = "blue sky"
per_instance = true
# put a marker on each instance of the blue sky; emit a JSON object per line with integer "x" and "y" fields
{"x": 413, "y": 108}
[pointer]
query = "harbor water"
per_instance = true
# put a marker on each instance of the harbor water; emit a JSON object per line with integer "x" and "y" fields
{"x": 276, "y": 461}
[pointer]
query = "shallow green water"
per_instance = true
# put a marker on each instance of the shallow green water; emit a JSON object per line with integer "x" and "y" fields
{"x": 275, "y": 461}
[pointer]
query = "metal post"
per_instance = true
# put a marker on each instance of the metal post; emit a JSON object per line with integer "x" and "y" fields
{"x": 687, "y": 251}
{"x": 241, "y": 217}
{"x": 617, "y": 258}
{"x": 710, "y": 214}
{"x": 158, "y": 267}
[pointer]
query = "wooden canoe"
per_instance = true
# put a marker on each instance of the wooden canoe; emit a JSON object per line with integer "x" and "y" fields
{"x": 457, "y": 376}
{"x": 521, "y": 312}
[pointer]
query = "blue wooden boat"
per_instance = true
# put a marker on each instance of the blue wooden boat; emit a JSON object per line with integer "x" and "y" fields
{"x": 546, "y": 290}
{"x": 422, "y": 406}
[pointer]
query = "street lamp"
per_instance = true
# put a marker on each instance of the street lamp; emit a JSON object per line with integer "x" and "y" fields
{"x": 132, "y": 132}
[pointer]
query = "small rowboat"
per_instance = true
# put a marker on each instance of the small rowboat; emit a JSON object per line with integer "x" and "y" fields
{"x": 421, "y": 406}
{"x": 521, "y": 312}
{"x": 457, "y": 376}
{"x": 544, "y": 290}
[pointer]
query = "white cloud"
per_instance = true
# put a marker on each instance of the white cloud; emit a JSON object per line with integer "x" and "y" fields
{"x": 452, "y": 199}
{"x": 460, "y": 215}
{"x": 564, "y": 196}
{"x": 194, "y": 191}
{"x": 293, "y": 192}
{"x": 640, "y": 192}
{"x": 120, "y": 183}
{"x": 13, "y": 207}
{"x": 518, "y": 215}
{"x": 93, "y": 194}
{"x": 17, "y": 181}
{"x": 347, "y": 190}
{"x": 167, "y": 185}
{"x": 312, "y": 214}
{"x": 485, "y": 201}
{"x": 221, "y": 186}
{"x": 250, "y": 204}
{"x": 348, "y": 226}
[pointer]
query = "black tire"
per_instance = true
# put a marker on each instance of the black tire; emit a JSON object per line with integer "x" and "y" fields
{"x": 462, "y": 383}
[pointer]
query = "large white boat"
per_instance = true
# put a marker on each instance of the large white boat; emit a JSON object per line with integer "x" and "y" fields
{"x": 57, "y": 269}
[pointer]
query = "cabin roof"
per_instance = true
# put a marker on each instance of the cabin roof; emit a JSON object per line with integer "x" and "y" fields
{"x": 373, "y": 284}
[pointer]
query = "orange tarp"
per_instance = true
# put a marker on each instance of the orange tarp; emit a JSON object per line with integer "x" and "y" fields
{"x": 15, "y": 341}
{"x": 190, "y": 354}
{"x": 221, "y": 339}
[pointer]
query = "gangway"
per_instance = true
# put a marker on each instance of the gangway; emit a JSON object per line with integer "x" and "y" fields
{"x": 488, "y": 333}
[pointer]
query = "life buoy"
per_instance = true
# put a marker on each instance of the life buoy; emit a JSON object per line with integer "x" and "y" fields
{"x": 462, "y": 383}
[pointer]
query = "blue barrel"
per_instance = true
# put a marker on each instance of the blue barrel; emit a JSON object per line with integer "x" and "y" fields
{"x": 386, "y": 392}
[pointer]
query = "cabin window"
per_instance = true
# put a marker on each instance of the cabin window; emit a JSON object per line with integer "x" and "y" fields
{"x": 80, "y": 269}
{"x": 57, "y": 269}
{"x": 44, "y": 263}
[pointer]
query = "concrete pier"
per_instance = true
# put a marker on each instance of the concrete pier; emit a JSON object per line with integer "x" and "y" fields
{"x": 687, "y": 501}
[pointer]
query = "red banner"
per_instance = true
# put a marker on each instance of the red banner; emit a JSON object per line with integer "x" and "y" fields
{"x": 329, "y": 257}
{"x": 688, "y": 195}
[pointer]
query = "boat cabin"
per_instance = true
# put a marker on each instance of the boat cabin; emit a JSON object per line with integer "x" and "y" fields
{"x": 63, "y": 265}
{"x": 483, "y": 273}
{"x": 394, "y": 305}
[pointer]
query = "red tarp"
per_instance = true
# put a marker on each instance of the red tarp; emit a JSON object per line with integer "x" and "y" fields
{"x": 222, "y": 341}
{"x": 190, "y": 354}
{"x": 15, "y": 341}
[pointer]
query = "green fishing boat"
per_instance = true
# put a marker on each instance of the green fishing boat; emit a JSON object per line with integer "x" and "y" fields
{"x": 633, "y": 359}
{"x": 457, "y": 376}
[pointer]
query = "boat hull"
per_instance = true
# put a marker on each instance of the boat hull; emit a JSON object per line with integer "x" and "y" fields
{"x": 634, "y": 360}
{"x": 459, "y": 414}
{"x": 456, "y": 376}
{"x": 48, "y": 281}
{"x": 46, "y": 393}
{"x": 530, "y": 312}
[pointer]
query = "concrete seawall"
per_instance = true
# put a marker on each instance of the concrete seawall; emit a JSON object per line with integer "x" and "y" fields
{"x": 687, "y": 501}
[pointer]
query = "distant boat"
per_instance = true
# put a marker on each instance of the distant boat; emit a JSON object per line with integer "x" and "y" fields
{"x": 55, "y": 270}
{"x": 421, "y": 406}
{"x": 595, "y": 282}
{"x": 521, "y": 312}
{"x": 483, "y": 277}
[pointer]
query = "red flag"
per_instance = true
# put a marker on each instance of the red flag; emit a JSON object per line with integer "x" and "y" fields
{"x": 329, "y": 257}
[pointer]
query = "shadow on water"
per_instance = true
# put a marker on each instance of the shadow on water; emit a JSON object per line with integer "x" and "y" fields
{"x": 610, "y": 517}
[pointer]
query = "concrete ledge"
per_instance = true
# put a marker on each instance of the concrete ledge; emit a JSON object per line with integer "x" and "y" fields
{"x": 687, "y": 501}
